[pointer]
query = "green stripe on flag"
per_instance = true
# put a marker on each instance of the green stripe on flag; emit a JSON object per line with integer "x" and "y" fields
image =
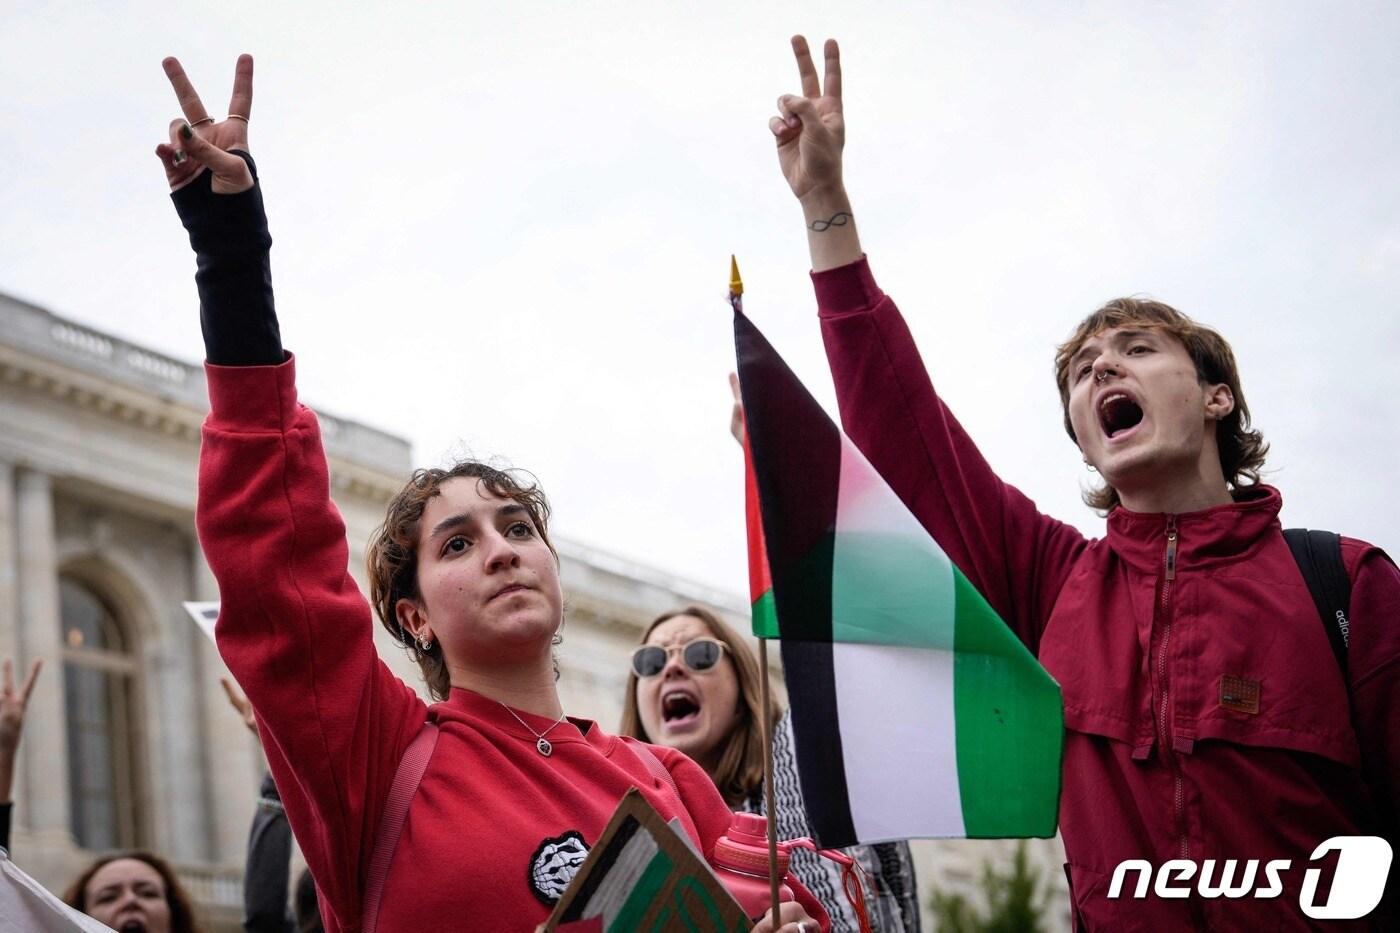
{"x": 891, "y": 589}
{"x": 643, "y": 895}
{"x": 1009, "y": 726}
{"x": 765, "y": 617}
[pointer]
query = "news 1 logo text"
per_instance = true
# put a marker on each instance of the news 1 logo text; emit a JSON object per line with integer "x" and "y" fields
{"x": 1358, "y": 884}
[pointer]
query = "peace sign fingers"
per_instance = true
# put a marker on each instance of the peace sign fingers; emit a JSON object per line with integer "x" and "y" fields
{"x": 241, "y": 103}
{"x": 807, "y": 69}
{"x": 7, "y": 683}
{"x": 810, "y": 130}
{"x": 12, "y": 703}
{"x": 832, "y": 52}
{"x": 190, "y": 104}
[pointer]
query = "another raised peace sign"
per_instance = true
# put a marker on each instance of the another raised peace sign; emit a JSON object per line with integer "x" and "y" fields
{"x": 200, "y": 142}
{"x": 810, "y": 129}
{"x": 13, "y": 703}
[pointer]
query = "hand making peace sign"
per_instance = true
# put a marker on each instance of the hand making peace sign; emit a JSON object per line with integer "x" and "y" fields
{"x": 199, "y": 142}
{"x": 811, "y": 130}
{"x": 12, "y": 704}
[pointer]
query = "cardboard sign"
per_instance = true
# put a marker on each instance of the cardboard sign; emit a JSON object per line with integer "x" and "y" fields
{"x": 642, "y": 876}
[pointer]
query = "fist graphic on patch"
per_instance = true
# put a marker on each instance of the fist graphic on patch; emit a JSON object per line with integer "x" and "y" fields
{"x": 554, "y": 865}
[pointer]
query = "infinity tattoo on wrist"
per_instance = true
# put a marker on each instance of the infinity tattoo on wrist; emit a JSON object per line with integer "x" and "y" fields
{"x": 837, "y": 219}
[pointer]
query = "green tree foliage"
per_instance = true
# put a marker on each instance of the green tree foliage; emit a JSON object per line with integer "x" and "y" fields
{"x": 1016, "y": 901}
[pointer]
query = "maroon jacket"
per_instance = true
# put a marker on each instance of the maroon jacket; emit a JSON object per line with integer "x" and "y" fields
{"x": 1206, "y": 717}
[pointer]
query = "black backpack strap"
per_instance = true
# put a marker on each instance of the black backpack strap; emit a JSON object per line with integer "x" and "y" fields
{"x": 1319, "y": 557}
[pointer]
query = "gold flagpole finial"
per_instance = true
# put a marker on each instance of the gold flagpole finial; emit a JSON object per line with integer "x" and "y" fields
{"x": 736, "y": 284}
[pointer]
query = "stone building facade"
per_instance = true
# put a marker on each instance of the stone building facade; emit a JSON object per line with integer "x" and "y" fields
{"x": 129, "y": 740}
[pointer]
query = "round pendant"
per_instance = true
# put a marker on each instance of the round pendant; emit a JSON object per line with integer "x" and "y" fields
{"x": 544, "y": 747}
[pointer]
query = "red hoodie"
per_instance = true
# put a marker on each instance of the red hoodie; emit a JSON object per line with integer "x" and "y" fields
{"x": 495, "y": 831}
{"x": 1206, "y": 717}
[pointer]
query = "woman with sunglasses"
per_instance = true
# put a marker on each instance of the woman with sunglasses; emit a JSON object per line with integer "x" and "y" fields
{"x": 694, "y": 686}
{"x": 509, "y": 792}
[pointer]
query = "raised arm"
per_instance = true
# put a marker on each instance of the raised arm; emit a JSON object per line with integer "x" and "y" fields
{"x": 811, "y": 132}
{"x": 213, "y": 183}
{"x": 1015, "y": 556}
{"x": 293, "y": 627}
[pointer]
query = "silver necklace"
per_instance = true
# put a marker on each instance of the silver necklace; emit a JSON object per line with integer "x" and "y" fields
{"x": 542, "y": 744}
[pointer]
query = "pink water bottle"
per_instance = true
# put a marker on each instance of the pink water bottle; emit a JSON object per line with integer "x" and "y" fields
{"x": 741, "y": 862}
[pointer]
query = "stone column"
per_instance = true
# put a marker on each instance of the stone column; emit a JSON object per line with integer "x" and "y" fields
{"x": 44, "y": 750}
{"x": 180, "y": 797}
{"x": 9, "y": 610}
{"x": 234, "y": 760}
{"x": 9, "y": 573}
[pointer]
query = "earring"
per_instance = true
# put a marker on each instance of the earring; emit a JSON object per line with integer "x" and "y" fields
{"x": 426, "y": 645}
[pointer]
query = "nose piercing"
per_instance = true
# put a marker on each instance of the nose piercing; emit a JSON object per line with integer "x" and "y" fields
{"x": 1100, "y": 376}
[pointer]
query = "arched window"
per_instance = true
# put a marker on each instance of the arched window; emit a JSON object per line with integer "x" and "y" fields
{"x": 99, "y": 670}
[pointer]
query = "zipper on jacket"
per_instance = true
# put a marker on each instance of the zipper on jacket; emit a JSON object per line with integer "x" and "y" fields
{"x": 1171, "y": 555}
{"x": 1168, "y": 752}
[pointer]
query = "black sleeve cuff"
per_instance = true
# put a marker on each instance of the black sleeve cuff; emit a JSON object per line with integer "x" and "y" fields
{"x": 231, "y": 241}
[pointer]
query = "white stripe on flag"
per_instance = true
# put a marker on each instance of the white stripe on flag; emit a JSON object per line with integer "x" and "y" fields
{"x": 631, "y": 864}
{"x": 898, "y": 740}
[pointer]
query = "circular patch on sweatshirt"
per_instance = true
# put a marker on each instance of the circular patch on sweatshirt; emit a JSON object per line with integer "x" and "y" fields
{"x": 554, "y": 865}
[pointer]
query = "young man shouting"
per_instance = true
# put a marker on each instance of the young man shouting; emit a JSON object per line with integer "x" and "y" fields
{"x": 1206, "y": 717}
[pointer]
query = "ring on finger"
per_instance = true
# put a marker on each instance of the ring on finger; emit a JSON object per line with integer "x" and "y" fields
{"x": 203, "y": 120}
{"x": 236, "y": 116}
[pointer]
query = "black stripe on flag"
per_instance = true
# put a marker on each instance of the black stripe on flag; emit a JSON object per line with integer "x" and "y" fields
{"x": 589, "y": 886}
{"x": 797, "y": 464}
{"x": 816, "y": 735}
{"x": 796, "y": 453}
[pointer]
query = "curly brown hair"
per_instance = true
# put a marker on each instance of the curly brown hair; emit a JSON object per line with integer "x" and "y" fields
{"x": 1242, "y": 449}
{"x": 392, "y": 555}
{"x": 739, "y": 774}
{"x": 182, "y": 919}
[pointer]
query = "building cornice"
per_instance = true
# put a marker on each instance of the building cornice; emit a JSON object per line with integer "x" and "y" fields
{"x": 95, "y": 372}
{"x": 107, "y": 376}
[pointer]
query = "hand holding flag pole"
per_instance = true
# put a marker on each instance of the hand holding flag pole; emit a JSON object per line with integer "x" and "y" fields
{"x": 736, "y": 301}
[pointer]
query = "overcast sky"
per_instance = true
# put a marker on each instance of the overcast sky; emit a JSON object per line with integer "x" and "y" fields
{"x": 505, "y": 229}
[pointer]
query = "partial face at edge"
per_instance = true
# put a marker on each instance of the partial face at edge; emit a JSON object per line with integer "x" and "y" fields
{"x": 1140, "y": 412}
{"x": 693, "y": 711}
{"x": 129, "y": 896}
{"x": 488, "y": 585}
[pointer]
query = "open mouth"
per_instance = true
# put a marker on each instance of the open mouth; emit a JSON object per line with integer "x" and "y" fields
{"x": 133, "y": 925}
{"x": 679, "y": 707}
{"x": 1118, "y": 413}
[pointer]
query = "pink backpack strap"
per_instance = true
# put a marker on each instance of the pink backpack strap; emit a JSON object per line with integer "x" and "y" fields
{"x": 654, "y": 765}
{"x": 406, "y": 780}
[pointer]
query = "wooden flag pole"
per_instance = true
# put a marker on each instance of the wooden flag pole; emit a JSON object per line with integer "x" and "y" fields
{"x": 766, "y": 733}
{"x": 765, "y": 726}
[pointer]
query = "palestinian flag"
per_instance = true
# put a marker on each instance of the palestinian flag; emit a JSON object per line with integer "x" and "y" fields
{"x": 644, "y": 874}
{"x": 916, "y": 712}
